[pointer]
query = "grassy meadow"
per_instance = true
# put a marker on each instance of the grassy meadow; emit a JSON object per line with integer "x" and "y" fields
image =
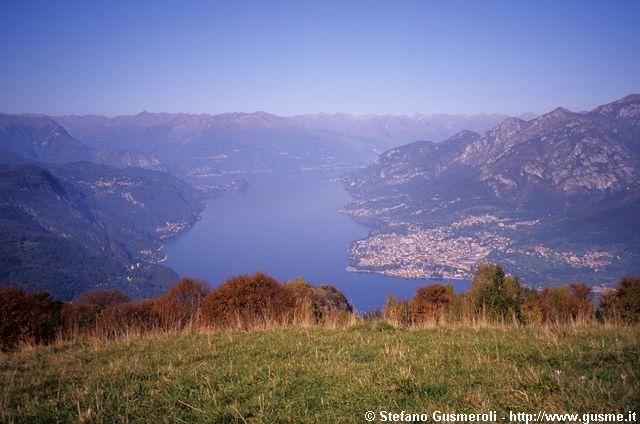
{"x": 326, "y": 375}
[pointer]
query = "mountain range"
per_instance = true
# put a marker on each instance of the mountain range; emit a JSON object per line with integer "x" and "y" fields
{"x": 197, "y": 147}
{"x": 573, "y": 178}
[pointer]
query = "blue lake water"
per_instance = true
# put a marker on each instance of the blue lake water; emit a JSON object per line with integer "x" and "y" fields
{"x": 286, "y": 226}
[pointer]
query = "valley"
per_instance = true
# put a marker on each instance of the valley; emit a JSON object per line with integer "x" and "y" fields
{"x": 554, "y": 198}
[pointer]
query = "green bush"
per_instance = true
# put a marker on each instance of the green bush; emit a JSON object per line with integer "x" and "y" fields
{"x": 624, "y": 302}
{"x": 498, "y": 296}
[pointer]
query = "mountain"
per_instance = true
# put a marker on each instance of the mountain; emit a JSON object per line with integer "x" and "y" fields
{"x": 390, "y": 131}
{"x": 70, "y": 228}
{"x": 204, "y": 146}
{"x": 41, "y": 138}
{"x": 547, "y": 192}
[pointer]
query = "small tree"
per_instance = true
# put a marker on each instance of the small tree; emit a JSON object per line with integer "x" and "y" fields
{"x": 498, "y": 295}
{"x": 624, "y": 302}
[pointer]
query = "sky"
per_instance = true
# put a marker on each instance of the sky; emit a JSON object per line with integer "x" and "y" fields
{"x": 294, "y": 57}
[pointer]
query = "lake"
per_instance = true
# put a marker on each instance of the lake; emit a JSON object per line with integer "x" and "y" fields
{"x": 285, "y": 225}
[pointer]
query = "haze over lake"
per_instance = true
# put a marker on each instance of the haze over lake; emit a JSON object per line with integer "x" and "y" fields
{"x": 286, "y": 225}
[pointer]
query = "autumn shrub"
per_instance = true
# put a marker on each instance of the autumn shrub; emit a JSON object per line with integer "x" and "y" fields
{"x": 180, "y": 306}
{"x": 245, "y": 301}
{"x": 397, "y": 312}
{"x": 82, "y": 315}
{"x": 102, "y": 298}
{"x": 31, "y": 318}
{"x": 606, "y": 310}
{"x": 623, "y": 303}
{"x": 553, "y": 304}
{"x": 565, "y": 304}
{"x": 317, "y": 304}
{"x": 530, "y": 312}
{"x": 432, "y": 303}
{"x": 582, "y": 305}
{"x": 128, "y": 318}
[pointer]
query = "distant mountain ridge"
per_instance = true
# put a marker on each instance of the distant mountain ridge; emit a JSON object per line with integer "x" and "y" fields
{"x": 395, "y": 130}
{"x": 201, "y": 146}
{"x": 578, "y": 174}
{"x": 41, "y": 138}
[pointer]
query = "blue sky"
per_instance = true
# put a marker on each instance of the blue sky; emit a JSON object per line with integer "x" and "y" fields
{"x": 362, "y": 57}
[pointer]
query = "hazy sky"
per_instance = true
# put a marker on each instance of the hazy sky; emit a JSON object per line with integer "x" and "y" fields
{"x": 307, "y": 56}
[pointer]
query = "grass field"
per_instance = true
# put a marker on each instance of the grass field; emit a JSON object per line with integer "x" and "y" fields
{"x": 324, "y": 375}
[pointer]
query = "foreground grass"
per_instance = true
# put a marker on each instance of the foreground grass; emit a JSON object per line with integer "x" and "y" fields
{"x": 323, "y": 375}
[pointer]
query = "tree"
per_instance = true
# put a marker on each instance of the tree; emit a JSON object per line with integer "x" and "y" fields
{"x": 498, "y": 295}
{"x": 624, "y": 302}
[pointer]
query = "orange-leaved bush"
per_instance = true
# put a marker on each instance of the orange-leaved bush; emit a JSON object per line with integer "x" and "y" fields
{"x": 180, "y": 306}
{"x": 245, "y": 301}
{"x": 432, "y": 302}
{"x": 83, "y": 314}
{"x": 27, "y": 317}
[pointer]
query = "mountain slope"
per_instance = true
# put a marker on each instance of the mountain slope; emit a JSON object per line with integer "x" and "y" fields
{"x": 69, "y": 228}
{"x": 40, "y": 138}
{"x": 568, "y": 181}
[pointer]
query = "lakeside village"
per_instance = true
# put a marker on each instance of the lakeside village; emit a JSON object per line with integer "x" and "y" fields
{"x": 451, "y": 252}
